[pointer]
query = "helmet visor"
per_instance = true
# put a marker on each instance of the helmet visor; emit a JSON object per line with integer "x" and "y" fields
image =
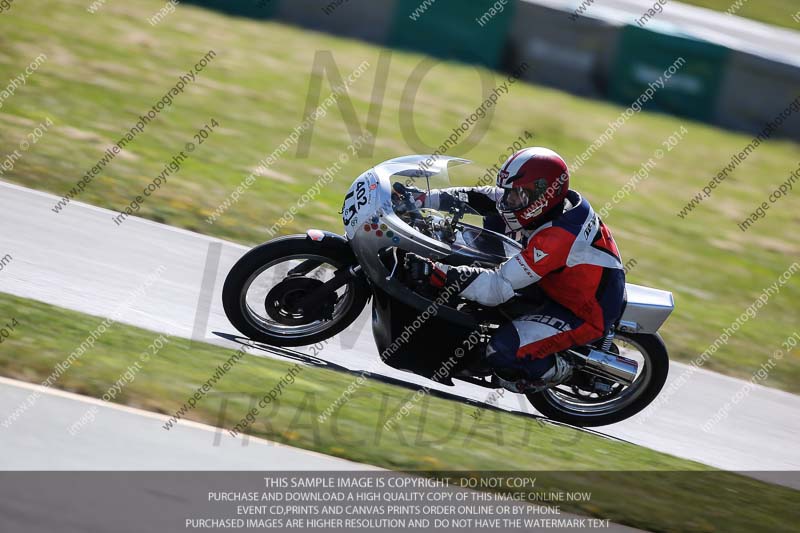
{"x": 515, "y": 199}
{"x": 518, "y": 198}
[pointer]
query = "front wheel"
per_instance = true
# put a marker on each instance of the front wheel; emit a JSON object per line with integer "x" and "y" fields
{"x": 577, "y": 407}
{"x": 264, "y": 289}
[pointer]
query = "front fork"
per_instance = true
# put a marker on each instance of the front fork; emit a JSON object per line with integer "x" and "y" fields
{"x": 317, "y": 296}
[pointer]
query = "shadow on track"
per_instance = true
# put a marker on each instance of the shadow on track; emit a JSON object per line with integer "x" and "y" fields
{"x": 310, "y": 360}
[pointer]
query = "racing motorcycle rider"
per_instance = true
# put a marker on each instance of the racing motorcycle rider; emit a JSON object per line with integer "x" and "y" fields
{"x": 569, "y": 270}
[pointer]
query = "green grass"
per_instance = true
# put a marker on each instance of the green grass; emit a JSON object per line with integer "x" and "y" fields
{"x": 663, "y": 493}
{"x": 777, "y": 12}
{"x": 104, "y": 70}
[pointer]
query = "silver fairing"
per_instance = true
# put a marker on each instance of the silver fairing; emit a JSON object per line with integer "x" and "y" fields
{"x": 371, "y": 225}
{"x": 647, "y": 309}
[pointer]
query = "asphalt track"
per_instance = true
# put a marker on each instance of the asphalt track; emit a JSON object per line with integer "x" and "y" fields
{"x": 122, "y": 438}
{"x": 79, "y": 259}
{"x": 734, "y": 32}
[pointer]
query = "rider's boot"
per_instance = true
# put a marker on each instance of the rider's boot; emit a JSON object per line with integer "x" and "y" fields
{"x": 559, "y": 373}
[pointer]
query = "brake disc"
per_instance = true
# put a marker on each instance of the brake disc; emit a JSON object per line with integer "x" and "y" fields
{"x": 281, "y": 302}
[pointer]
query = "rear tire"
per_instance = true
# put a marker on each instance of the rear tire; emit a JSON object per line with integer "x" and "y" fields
{"x": 659, "y": 368}
{"x": 251, "y": 263}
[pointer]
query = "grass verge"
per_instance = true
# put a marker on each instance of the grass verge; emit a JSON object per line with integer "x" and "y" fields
{"x": 661, "y": 493}
{"x": 785, "y": 13}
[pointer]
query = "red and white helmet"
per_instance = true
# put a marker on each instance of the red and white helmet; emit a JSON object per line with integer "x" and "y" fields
{"x": 535, "y": 181}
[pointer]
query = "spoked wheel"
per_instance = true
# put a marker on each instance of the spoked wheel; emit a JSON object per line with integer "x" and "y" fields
{"x": 589, "y": 401}
{"x": 265, "y": 292}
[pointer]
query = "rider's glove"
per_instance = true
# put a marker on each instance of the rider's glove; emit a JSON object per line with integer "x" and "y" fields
{"x": 402, "y": 194}
{"x": 450, "y": 200}
{"x": 422, "y": 270}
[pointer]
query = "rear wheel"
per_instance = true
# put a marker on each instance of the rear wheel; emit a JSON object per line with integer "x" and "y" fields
{"x": 264, "y": 289}
{"x": 610, "y": 403}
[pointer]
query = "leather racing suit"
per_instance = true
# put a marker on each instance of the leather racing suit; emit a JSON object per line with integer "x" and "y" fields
{"x": 570, "y": 261}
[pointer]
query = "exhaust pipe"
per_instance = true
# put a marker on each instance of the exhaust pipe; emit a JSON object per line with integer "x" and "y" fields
{"x": 608, "y": 365}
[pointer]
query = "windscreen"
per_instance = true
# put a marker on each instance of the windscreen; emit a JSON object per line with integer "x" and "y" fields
{"x": 414, "y": 177}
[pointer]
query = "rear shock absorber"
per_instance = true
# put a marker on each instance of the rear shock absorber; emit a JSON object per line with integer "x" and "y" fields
{"x": 609, "y": 338}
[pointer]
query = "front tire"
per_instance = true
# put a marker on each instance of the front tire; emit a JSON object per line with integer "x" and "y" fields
{"x": 652, "y": 347}
{"x": 291, "y": 331}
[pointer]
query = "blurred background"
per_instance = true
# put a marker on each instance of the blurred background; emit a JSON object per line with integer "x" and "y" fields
{"x": 679, "y": 121}
{"x": 414, "y": 73}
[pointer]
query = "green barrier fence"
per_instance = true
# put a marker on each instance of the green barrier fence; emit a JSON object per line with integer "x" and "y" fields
{"x": 585, "y": 56}
{"x": 642, "y": 58}
{"x": 471, "y": 31}
{"x": 257, "y": 9}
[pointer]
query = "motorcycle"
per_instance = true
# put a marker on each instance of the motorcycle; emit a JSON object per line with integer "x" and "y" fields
{"x": 302, "y": 289}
